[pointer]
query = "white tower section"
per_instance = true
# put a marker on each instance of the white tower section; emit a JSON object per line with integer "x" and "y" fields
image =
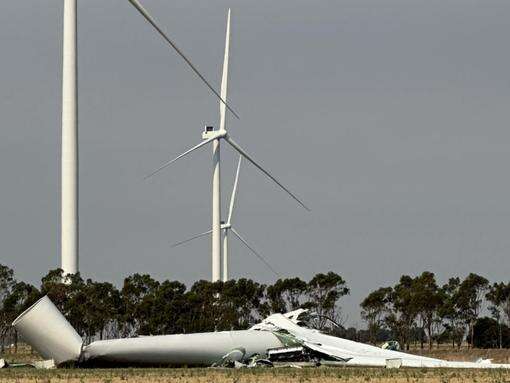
{"x": 69, "y": 174}
{"x": 225, "y": 256}
{"x": 216, "y": 213}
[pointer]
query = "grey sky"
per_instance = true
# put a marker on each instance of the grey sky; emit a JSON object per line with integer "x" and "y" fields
{"x": 388, "y": 118}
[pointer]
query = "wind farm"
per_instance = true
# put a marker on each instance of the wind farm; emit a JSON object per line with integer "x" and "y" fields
{"x": 100, "y": 265}
{"x": 214, "y": 136}
{"x": 69, "y": 205}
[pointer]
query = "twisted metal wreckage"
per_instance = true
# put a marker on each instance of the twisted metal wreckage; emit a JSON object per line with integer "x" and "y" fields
{"x": 280, "y": 338}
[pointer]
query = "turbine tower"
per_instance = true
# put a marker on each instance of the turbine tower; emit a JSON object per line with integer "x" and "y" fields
{"x": 216, "y": 194}
{"x": 69, "y": 159}
{"x": 215, "y": 136}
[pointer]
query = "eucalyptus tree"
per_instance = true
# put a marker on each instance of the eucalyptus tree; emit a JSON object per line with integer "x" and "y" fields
{"x": 427, "y": 300}
{"x": 469, "y": 299}
{"x": 7, "y": 282}
{"x": 499, "y": 297}
{"x": 324, "y": 293}
{"x": 22, "y": 296}
{"x": 286, "y": 294}
{"x": 374, "y": 309}
{"x": 138, "y": 294}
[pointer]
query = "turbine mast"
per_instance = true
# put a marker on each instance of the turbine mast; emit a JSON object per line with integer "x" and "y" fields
{"x": 69, "y": 170}
{"x": 216, "y": 213}
{"x": 225, "y": 256}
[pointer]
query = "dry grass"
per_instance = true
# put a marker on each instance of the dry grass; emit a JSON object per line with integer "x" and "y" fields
{"x": 23, "y": 355}
{"x": 280, "y": 375}
{"x": 465, "y": 354}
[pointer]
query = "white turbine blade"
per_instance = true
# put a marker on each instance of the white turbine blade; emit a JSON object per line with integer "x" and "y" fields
{"x": 205, "y": 142}
{"x": 254, "y": 252}
{"x": 234, "y": 191}
{"x": 224, "y": 77}
{"x": 246, "y": 155}
{"x": 192, "y": 238}
{"x": 149, "y": 18}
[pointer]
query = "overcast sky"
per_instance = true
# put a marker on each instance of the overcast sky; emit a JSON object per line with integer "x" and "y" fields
{"x": 389, "y": 118}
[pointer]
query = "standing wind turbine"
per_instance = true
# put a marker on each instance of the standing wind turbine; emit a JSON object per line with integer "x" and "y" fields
{"x": 215, "y": 136}
{"x": 227, "y": 227}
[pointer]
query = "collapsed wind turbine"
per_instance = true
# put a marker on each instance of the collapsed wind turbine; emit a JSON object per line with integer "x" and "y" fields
{"x": 215, "y": 136}
{"x": 278, "y": 338}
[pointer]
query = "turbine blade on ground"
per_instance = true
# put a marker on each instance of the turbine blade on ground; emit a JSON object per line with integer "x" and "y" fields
{"x": 255, "y": 252}
{"x": 247, "y": 156}
{"x": 205, "y": 142}
{"x": 192, "y": 238}
{"x": 149, "y": 18}
{"x": 234, "y": 191}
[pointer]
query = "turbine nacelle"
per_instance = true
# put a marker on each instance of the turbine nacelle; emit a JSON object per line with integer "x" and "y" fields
{"x": 209, "y": 133}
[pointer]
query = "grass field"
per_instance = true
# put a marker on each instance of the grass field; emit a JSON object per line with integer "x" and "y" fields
{"x": 269, "y": 375}
{"x": 284, "y": 375}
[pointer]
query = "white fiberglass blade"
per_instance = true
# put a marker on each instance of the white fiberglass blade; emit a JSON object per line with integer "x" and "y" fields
{"x": 224, "y": 77}
{"x": 205, "y": 142}
{"x": 234, "y": 191}
{"x": 192, "y": 238}
{"x": 254, "y": 252}
{"x": 245, "y": 155}
{"x": 149, "y": 18}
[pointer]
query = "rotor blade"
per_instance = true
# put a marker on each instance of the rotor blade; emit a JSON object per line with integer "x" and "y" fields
{"x": 192, "y": 238}
{"x": 245, "y": 155}
{"x": 254, "y": 252}
{"x": 224, "y": 77}
{"x": 234, "y": 191}
{"x": 149, "y": 18}
{"x": 182, "y": 155}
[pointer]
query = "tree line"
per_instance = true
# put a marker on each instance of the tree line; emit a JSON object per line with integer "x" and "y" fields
{"x": 415, "y": 310}
{"x": 145, "y": 306}
{"x": 419, "y": 309}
